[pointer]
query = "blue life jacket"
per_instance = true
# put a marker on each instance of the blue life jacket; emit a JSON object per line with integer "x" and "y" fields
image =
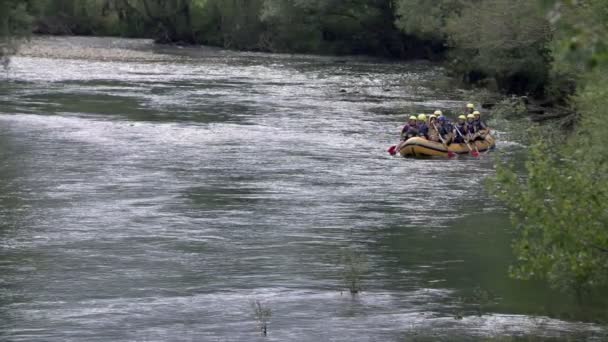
{"x": 462, "y": 128}
{"x": 409, "y": 131}
{"x": 445, "y": 129}
{"x": 423, "y": 130}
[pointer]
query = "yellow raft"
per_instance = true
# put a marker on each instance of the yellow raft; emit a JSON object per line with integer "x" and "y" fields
{"x": 420, "y": 147}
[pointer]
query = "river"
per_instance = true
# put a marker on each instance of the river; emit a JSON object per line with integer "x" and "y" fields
{"x": 152, "y": 193}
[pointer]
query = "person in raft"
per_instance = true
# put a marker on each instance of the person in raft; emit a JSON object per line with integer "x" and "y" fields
{"x": 423, "y": 128}
{"x": 410, "y": 129}
{"x": 470, "y": 108}
{"x": 470, "y": 128}
{"x": 481, "y": 129}
{"x": 433, "y": 132}
{"x": 445, "y": 130}
{"x": 460, "y": 130}
{"x": 437, "y": 114}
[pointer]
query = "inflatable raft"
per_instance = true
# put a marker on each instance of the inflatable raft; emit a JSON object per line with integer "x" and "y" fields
{"x": 420, "y": 147}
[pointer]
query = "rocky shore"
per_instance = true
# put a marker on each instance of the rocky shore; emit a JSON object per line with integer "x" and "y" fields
{"x": 90, "y": 48}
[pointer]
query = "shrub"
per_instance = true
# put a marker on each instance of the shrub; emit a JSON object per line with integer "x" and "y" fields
{"x": 503, "y": 40}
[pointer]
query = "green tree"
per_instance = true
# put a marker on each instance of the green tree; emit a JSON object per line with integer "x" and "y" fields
{"x": 503, "y": 41}
{"x": 293, "y": 25}
{"x": 228, "y": 23}
{"x": 15, "y": 23}
{"x": 238, "y": 23}
{"x": 426, "y": 19}
{"x": 165, "y": 20}
{"x": 339, "y": 27}
{"x": 560, "y": 205}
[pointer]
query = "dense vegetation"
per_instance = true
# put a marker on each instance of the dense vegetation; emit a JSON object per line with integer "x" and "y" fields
{"x": 545, "y": 48}
{"x": 561, "y": 207}
{"x": 497, "y": 43}
{"x": 15, "y": 21}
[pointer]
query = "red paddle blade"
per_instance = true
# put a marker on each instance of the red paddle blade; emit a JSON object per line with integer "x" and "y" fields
{"x": 392, "y": 150}
{"x": 451, "y": 154}
{"x": 475, "y": 153}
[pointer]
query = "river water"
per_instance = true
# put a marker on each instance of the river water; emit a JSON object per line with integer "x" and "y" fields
{"x": 152, "y": 194}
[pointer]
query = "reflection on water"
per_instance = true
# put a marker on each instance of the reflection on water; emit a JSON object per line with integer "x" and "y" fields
{"x": 155, "y": 200}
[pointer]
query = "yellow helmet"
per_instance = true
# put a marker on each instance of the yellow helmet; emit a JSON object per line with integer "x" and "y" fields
{"x": 421, "y": 117}
{"x": 438, "y": 113}
{"x": 476, "y": 113}
{"x": 413, "y": 117}
{"x": 470, "y": 116}
{"x": 433, "y": 116}
{"x": 470, "y": 106}
{"x": 462, "y": 117}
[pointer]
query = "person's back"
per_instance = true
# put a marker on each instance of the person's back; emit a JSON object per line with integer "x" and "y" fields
{"x": 481, "y": 129}
{"x": 423, "y": 128}
{"x": 445, "y": 130}
{"x": 460, "y": 130}
{"x": 470, "y": 127}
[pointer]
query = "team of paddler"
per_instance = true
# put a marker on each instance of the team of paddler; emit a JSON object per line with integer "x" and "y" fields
{"x": 438, "y": 128}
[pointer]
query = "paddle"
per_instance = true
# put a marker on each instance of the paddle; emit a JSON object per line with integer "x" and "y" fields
{"x": 473, "y": 153}
{"x": 392, "y": 150}
{"x": 450, "y": 153}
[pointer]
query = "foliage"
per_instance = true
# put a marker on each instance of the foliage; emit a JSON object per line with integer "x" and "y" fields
{"x": 335, "y": 26}
{"x": 292, "y": 26}
{"x": 579, "y": 45}
{"x": 354, "y": 267}
{"x": 504, "y": 41}
{"x": 15, "y": 22}
{"x": 83, "y": 17}
{"x": 582, "y": 28}
{"x": 332, "y": 26}
{"x": 560, "y": 207}
{"x": 262, "y": 315}
{"x": 496, "y": 39}
{"x": 426, "y": 19}
{"x": 478, "y": 301}
{"x": 235, "y": 24}
{"x": 549, "y": 215}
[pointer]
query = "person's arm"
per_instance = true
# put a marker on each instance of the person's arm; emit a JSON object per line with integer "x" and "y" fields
{"x": 449, "y": 138}
{"x": 469, "y": 130}
{"x": 446, "y": 132}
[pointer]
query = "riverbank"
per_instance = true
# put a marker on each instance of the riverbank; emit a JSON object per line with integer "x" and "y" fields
{"x": 90, "y": 48}
{"x": 143, "y": 50}
{"x": 399, "y": 29}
